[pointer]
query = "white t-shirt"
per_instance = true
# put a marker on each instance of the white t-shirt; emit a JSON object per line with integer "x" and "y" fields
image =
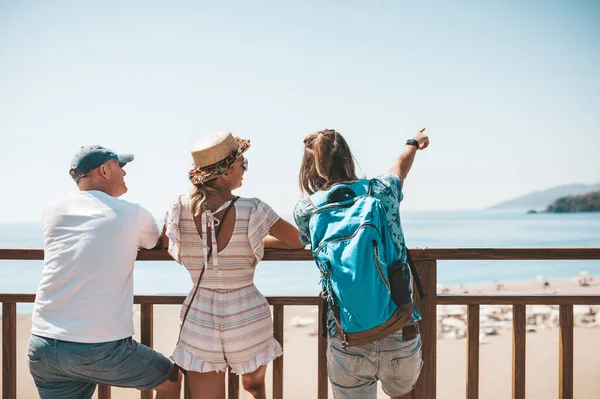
{"x": 91, "y": 241}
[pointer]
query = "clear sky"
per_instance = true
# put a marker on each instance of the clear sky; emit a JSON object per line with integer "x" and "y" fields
{"x": 508, "y": 90}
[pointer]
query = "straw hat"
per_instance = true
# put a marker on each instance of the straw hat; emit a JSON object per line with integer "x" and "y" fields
{"x": 214, "y": 155}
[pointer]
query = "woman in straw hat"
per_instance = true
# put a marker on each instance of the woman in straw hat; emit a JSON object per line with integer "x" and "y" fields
{"x": 220, "y": 238}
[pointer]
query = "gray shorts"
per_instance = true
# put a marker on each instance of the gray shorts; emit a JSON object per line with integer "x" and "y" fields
{"x": 64, "y": 369}
{"x": 354, "y": 372}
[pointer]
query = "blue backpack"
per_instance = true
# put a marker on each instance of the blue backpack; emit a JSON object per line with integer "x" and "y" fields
{"x": 362, "y": 278}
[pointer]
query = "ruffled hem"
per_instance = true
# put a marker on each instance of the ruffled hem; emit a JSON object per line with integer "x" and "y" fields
{"x": 191, "y": 362}
{"x": 264, "y": 357}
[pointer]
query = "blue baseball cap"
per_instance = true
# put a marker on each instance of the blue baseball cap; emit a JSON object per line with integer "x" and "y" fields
{"x": 89, "y": 157}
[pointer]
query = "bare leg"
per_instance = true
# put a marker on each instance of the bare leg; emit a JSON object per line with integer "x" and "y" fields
{"x": 171, "y": 388}
{"x": 406, "y": 396}
{"x": 209, "y": 385}
{"x": 254, "y": 382}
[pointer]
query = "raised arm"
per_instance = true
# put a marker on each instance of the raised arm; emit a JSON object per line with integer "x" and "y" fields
{"x": 283, "y": 235}
{"x": 404, "y": 161}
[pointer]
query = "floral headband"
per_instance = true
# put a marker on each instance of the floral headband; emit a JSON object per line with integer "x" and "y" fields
{"x": 207, "y": 173}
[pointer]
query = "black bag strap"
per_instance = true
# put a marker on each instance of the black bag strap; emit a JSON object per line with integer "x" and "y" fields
{"x": 210, "y": 251}
{"x": 325, "y": 319}
{"x": 413, "y": 270}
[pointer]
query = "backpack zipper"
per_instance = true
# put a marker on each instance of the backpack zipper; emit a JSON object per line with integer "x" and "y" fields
{"x": 376, "y": 251}
{"x": 346, "y": 238}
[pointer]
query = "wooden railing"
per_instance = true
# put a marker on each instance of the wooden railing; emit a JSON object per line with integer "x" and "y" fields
{"x": 426, "y": 262}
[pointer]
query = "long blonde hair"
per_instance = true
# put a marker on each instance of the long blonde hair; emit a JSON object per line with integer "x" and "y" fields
{"x": 199, "y": 196}
{"x": 327, "y": 160}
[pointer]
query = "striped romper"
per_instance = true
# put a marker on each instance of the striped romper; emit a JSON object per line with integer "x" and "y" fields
{"x": 229, "y": 321}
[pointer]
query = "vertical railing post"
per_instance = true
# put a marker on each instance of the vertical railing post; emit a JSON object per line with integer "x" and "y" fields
{"x": 233, "y": 384}
{"x": 519, "y": 352}
{"x": 426, "y": 385}
{"x": 278, "y": 362}
{"x": 147, "y": 335}
{"x": 9, "y": 350}
{"x": 565, "y": 358}
{"x": 104, "y": 392}
{"x": 473, "y": 352}
{"x": 187, "y": 391}
{"x": 322, "y": 376}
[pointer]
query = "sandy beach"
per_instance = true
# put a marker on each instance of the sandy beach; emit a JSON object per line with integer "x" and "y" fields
{"x": 300, "y": 348}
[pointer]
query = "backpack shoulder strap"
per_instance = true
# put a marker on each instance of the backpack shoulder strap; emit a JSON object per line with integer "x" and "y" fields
{"x": 370, "y": 191}
{"x": 413, "y": 270}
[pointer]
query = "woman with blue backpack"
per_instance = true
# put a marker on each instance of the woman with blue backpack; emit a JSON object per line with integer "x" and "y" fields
{"x": 353, "y": 226}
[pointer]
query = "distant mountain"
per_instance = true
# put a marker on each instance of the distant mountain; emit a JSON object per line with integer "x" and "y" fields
{"x": 542, "y": 199}
{"x": 589, "y": 202}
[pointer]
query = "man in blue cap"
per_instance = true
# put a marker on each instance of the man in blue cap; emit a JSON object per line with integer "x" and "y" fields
{"x": 82, "y": 323}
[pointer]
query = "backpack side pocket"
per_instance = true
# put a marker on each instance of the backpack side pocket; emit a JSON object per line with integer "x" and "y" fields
{"x": 399, "y": 287}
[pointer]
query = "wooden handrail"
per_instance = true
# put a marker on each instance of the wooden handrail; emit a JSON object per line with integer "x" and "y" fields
{"x": 442, "y": 299}
{"x": 511, "y": 253}
{"x": 421, "y": 254}
{"x": 550, "y": 299}
{"x": 426, "y": 262}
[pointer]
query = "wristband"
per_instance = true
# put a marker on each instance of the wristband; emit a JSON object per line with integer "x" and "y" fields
{"x": 413, "y": 142}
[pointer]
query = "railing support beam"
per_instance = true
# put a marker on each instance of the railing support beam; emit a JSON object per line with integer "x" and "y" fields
{"x": 565, "y": 361}
{"x": 518, "y": 353}
{"x": 426, "y": 385}
{"x": 147, "y": 335}
{"x": 104, "y": 392}
{"x": 278, "y": 362}
{"x": 473, "y": 352}
{"x": 322, "y": 377}
{"x": 9, "y": 350}
{"x": 233, "y": 385}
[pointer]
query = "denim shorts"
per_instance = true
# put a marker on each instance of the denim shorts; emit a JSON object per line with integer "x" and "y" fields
{"x": 64, "y": 369}
{"x": 354, "y": 372}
